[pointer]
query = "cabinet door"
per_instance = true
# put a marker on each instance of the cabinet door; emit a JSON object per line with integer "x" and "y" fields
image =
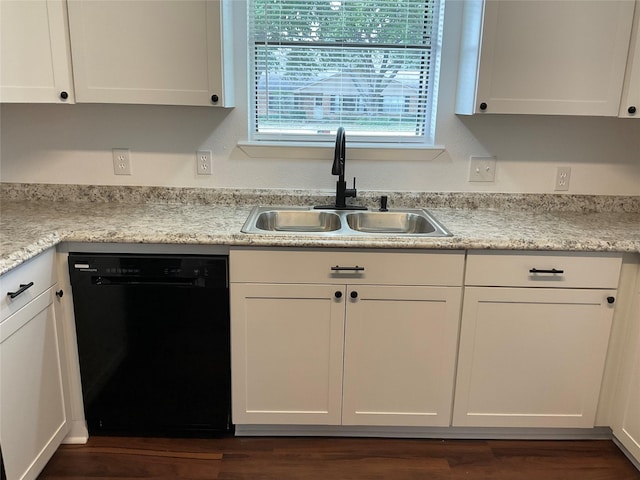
{"x": 287, "y": 343}
{"x": 630, "y": 431}
{"x": 627, "y": 425}
{"x": 563, "y": 57}
{"x": 33, "y": 421}
{"x": 166, "y": 52}
{"x": 630, "y": 104}
{"x": 35, "y": 58}
{"x": 400, "y": 355}
{"x": 531, "y": 357}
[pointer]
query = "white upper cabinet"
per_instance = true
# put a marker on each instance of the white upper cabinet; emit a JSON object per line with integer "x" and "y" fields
{"x": 35, "y": 59}
{"x": 564, "y": 57}
{"x": 163, "y": 52}
{"x": 630, "y": 104}
{"x": 166, "y": 52}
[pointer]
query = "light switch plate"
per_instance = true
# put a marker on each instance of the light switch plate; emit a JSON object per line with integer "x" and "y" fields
{"x": 482, "y": 169}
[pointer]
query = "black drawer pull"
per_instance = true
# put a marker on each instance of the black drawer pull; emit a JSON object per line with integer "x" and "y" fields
{"x": 338, "y": 268}
{"x": 23, "y": 287}
{"x": 553, "y": 270}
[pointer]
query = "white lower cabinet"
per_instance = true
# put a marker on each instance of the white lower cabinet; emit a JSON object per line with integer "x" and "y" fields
{"x": 626, "y": 426}
{"x": 33, "y": 418}
{"x": 399, "y": 355}
{"x": 352, "y": 338}
{"x": 533, "y": 355}
{"x": 287, "y": 345}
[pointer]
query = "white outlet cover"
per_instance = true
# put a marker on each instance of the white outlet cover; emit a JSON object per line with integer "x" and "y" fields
{"x": 204, "y": 163}
{"x": 121, "y": 161}
{"x": 563, "y": 176}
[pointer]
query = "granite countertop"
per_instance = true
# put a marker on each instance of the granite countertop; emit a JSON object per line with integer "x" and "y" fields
{"x": 32, "y": 222}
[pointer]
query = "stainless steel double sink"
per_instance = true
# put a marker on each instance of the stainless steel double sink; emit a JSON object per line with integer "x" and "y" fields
{"x": 307, "y": 220}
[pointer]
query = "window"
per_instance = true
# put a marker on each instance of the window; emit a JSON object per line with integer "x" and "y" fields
{"x": 369, "y": 66}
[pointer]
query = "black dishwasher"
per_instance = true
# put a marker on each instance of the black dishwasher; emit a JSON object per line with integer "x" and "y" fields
{"x": 153, "y": 343}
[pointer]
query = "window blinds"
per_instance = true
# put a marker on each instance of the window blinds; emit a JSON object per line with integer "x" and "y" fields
{"x": 319, "y": 64}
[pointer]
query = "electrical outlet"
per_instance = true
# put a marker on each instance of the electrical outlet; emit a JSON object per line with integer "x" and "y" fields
{"x": 563, "y": 175}
{"x": 482, "y": 169}
{"x": 204, "y": 164}
{"x": 121, "y": 161}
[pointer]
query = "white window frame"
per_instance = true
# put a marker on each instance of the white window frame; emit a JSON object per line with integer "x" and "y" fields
{"x": 258, "y": 140}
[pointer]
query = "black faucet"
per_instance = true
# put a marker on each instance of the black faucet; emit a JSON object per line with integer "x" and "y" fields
{"x": 342, "y": 192}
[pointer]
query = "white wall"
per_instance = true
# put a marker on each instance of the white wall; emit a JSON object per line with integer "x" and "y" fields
{"x": 72, "y": 144}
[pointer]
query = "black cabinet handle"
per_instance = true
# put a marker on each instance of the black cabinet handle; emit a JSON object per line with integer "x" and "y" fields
{"x": 354, "y": 294}
{"x": 23, "y": 287}
{"x": 611, "y": 300}
{"x": 64, "y": 95}
{"x": 59, "y": 293}
{"x": 338, "y": 268}
{"x": 553, "y": 270}
{"x": 338, "y": 294}
{"x": 483, "y": 106}
{"x": 215, "y": 98}
{"x": 631, "y": 109}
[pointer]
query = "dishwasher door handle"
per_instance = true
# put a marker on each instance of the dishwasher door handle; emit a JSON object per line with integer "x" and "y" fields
{"x": 133, "y": 281}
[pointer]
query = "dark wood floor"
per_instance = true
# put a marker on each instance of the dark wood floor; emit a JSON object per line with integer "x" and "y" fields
{"x": 257, "y": 458}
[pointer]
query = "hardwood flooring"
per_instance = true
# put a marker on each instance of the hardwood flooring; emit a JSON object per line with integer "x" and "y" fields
{"x": 259, "y": 458}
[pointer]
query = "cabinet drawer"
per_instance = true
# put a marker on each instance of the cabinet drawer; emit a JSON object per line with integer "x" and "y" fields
{"x": 38, "y": 270}
{"x": 381, "y": 267}
{"x": 543, "y": 269}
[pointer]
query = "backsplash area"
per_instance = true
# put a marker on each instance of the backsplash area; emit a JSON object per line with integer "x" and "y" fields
{"x": 72, "y": 144}
{"x": 221, "y": 196}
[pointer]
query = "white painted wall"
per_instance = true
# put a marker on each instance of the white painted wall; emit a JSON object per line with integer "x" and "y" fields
{"x": 72, "y": 144}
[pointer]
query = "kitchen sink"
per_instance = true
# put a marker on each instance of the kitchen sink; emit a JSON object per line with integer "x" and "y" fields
{"x": 307, "y": 220}
{"x": 298, "y": 221}
{"x": 390, "y": 222}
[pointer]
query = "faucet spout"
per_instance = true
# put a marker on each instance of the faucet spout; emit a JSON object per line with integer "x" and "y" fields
{"x": 339, "y": 154}
{"x": 342, "y": 192}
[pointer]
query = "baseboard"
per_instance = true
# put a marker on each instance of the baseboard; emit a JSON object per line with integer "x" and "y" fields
{"x": 78, "y": 434}
{"x": 599, "y": 433}
{"x": 636, "y": 462}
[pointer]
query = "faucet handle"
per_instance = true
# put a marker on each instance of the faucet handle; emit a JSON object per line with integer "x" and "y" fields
{"x": 350, "y": 192}
{"x": 354, "y": 192}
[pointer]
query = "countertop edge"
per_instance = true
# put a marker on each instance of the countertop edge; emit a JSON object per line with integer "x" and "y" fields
{"x": 16, "y": 258}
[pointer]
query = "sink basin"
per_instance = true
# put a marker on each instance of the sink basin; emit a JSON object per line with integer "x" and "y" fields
{"x": 389, "y": 222}
{"x": 307, "y": 221}
{"x": 298, "y": 221}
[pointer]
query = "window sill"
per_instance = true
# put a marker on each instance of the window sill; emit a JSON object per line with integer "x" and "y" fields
{"x": 322, "y": 151}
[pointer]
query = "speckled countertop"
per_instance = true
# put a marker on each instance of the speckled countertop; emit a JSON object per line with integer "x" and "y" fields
{"x": 35, "y": 217}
